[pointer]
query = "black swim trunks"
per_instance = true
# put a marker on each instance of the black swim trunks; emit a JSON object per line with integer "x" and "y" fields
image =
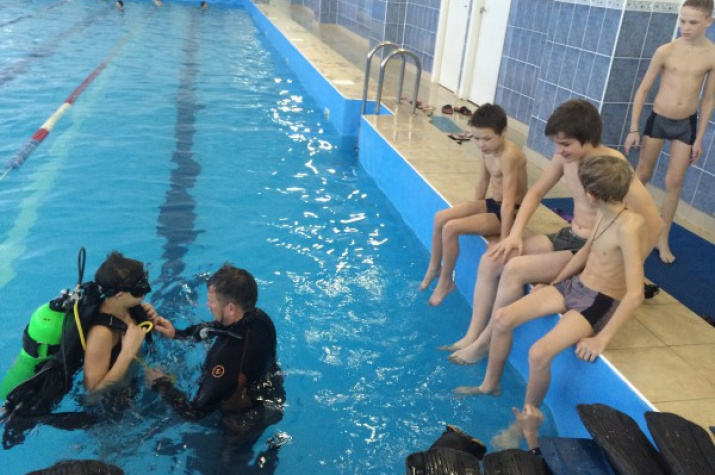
{"x": 596, "y": 307}
{"x": 494, "y": 207}
{"x": 684, "y": 130}
{"x": 566, "y": 240}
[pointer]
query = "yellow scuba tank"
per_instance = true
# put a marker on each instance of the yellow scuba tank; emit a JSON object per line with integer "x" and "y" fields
{"x": 40, "y": 341}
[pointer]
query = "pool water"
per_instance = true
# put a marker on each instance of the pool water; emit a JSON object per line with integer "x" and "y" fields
{"x": 195, "y": 146}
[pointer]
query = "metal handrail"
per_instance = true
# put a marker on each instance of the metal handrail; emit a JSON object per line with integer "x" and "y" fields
{"x": 401, "y": 52}
{"x": 372, "y": 52}
{"x": 380, "y": 79}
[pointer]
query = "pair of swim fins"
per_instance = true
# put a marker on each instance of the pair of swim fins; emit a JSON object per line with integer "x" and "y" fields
{"x": 620, "y": 447}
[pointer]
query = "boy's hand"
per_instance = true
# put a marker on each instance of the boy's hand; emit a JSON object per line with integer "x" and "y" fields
{"x": 588, "y": 349}
{"x": 164, "y": 327}
{"x": 505, "y": 250}
{"x": 633, "y": 139}
{"x": 696, "y": 151}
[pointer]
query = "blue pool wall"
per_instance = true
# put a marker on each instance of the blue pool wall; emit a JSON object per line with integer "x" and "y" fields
{"x": 573, "y": 381}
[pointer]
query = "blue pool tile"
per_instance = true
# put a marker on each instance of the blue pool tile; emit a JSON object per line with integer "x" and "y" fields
{"x": 599, "y": 73}
{"x": 632, "y": 35}
{"x": 522, "y": 109}
{"x": 692, "y": 184}
{"x": 704, "y": 198}
{"x": 517, "y": 47}
{"x": 546, "y": 56}
{"x": 578, "y": 26}
{"x": 594, "y": 25}
{"x": 564, "y": 23}
{"x": 527, "y": 87}
{"x": 562, "y": 95}
{"x": 536, "y": 49}
{"x": 613, "y": 117}
{"x": 707, "y": 161}
{"x": 609, "y": 32}
{"x": 554, "y": 24}
{"x": 498, "y": 99}
{"x": 508, "y": 38}
{"x": 621, "y": 81}
{"x": 660, "y": 31}
{"x": 546, "y": 101}
{"x": 519, "y": 69}
{"x": 529, "y": 14}
{"x": 537, "y": 90}
{"x": 583, "y": 72}
{"x": 568, "y": 70}
{"x": 556, "y": 61}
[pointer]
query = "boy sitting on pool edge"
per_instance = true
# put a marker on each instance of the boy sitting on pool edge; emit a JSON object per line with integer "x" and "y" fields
{"x": 597, "y": 291}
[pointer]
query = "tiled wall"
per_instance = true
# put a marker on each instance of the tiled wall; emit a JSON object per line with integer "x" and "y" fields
{"x": 575, "y": 61}
{"x": 409, "y": 23}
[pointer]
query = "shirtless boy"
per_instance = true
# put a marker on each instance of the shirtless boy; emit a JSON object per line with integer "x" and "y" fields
{"x": 504, "y": 167}
{"x": 575, "y": 127}
{"x": 683, "y": 64}
{"x": 597, "y": 291}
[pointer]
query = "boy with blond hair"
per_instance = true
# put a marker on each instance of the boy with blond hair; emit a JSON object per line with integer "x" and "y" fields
{"x": 597, "y": 291}
{"x": 685, "y": 66}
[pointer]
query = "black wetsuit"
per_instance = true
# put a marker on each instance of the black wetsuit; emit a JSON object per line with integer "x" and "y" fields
{"x": 246, "y": 350}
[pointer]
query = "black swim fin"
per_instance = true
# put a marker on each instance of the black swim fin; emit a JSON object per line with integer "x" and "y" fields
{"x": 567, "y": 456}
{"x": 442, "y": 461}
{"x": 625, "y": 445}
{"x": 514, "y": 462}
{"x": 686, "y": 447}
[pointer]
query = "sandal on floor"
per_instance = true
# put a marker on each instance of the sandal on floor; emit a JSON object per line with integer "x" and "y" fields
{"x": 460, "y": 137}
{"x": 464, "y": 111}
{"x": 447, "y": 110}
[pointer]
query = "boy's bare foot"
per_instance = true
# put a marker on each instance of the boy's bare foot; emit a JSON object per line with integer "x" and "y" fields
{"x": 440, "y": 293}
{"x": 477, "y": 391}
{"x": 457, "y": 345}
{"x": 469, "y": 355}
{"x": 665, "y": 255}
{"x": 664, "y": 250}
{"x": 510, "y": 437}
{"x": 431, "y": 275}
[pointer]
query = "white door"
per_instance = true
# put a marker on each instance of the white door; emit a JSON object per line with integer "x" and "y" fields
{"x": 454, "y": 42}
{"x": 481, "y": 82}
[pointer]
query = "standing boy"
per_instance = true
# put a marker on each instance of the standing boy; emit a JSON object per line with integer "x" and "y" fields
{"x": 504, "y": 167}
{"x": 683, "y": 64}
{"x": 597, "y": 292}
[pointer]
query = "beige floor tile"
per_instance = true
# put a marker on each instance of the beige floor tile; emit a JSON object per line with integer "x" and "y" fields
{"x": 700, "y": 411}
{"x": 661, "y": 374}
{"x": 700, "y": 357}
{"x": 675, "y": 324}
{"x": 633, "y": 334}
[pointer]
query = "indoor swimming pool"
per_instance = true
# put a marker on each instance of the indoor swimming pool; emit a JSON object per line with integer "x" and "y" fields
{"x": 192, "y": 145}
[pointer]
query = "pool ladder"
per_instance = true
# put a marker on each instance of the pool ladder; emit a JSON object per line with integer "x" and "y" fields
{"x": 397, "y": 52}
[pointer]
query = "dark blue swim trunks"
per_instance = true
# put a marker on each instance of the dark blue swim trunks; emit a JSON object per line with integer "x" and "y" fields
{"x": 494, "y": 207}
{"x": 683, "y": 130}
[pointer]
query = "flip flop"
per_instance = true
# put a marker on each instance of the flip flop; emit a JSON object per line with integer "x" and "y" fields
{"x": 464, "y": 111}
{"x": 447, "y": 110}
{"x": 461, "y": 137}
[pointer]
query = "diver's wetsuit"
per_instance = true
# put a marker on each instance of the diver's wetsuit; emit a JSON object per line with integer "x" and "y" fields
{"x": 245, "y": 350}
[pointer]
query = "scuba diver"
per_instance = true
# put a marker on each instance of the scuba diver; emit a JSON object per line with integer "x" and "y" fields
{"x": 101, "y": 326}
{"x": 240, "y": 374}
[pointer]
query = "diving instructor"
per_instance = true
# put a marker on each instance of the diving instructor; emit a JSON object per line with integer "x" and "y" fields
{"x": 240, "y": 374}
